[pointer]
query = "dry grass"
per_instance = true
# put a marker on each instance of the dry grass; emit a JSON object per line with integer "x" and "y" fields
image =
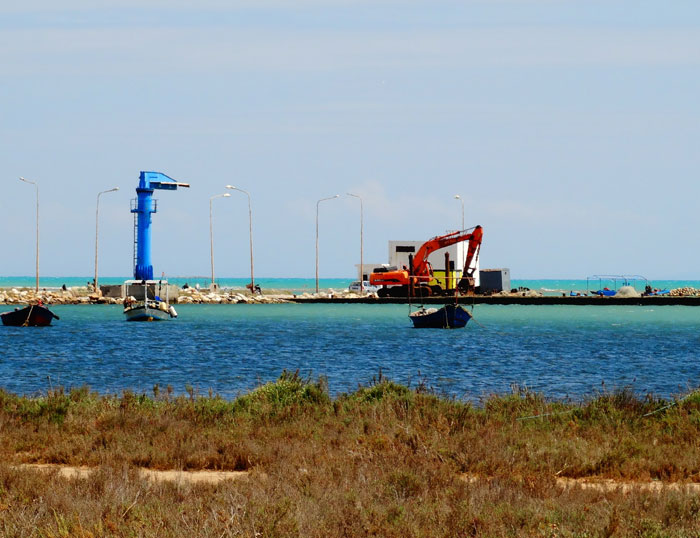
{"x": 384, "y": 460}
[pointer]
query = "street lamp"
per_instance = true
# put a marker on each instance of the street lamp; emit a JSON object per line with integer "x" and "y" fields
{"x": 362, "y": 267}
{"x": 37, "y": 228}
{"x": 250, "y": 226}
{"x": 321, "y": 200}
{"x": 97, "y": 226}
{"x": 211, "y": 231}
{"x": 458, "y": 197}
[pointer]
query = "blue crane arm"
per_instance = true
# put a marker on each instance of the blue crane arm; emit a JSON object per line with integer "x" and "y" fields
{"x": 157, "y": 180}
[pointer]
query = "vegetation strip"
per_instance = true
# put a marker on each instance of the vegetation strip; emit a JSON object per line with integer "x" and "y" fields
{"x": 382, "y": 460}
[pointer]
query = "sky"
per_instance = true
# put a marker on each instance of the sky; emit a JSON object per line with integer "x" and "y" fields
{"x": 570, "y": 129}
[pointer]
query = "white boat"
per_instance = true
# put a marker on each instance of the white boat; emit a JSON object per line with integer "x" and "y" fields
{"x": 144, "y": 301}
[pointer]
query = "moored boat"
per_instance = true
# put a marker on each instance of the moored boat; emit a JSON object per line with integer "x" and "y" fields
{"x": 36, "y": 315}
{"x": 450, "y": 316}
{"x": 149, "y": 311}
{"x": 144, "y": 303}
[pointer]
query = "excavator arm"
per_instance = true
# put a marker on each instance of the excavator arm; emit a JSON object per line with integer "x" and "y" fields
{"x": 421, "y": 266}
{"x": 466, "y": 283}
{"x": 422, "y": 272}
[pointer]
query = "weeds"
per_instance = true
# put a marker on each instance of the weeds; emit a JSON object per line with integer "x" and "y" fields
{"x": 382, "y": 460}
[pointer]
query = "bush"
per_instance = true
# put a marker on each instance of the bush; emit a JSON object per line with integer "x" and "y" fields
{"x": 290, "y": 389}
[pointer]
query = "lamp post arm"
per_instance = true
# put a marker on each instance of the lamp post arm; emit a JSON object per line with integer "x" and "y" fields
{"x": 250, "y": 229}
{"x": 37, "y": 237}
{"x": 97, "y": 234}
{"x": 362, "y": 219}
{"x": 211, "y": 231}
{"x": 317, "y": 245}
{"x": 458, "y": 197}
{"x": 317, "y": 204}
{"x": 211, "y": 239}
{"x": 97, "y": 227}
{"x": 36, "y": 186}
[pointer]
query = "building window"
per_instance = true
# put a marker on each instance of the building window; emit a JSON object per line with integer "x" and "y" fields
{"x": 400, "y": 248}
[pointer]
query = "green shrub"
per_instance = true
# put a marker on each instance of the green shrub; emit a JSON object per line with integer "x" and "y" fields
{"x": 289, "y": 389}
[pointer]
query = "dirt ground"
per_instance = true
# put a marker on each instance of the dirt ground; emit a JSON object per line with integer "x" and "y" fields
{"x": 214, "y": 477}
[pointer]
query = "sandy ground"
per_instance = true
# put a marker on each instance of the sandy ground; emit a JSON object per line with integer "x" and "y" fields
{"x": 608, "y": 484}
{"x": 214, "y": 477}
{"x": 193, "y": 477}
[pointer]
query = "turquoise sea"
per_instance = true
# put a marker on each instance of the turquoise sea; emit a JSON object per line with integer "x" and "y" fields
{"x": 562, "y": 351}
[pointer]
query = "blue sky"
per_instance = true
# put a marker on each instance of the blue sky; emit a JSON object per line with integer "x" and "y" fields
{"x": 569, "y": 128}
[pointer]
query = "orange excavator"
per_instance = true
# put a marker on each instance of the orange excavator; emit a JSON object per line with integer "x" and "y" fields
{"x": 416, "y": 280}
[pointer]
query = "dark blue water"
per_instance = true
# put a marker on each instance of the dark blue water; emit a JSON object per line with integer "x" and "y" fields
{"x": 561, "y": 351}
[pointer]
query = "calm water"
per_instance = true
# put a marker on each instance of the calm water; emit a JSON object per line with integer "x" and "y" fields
{"x": 559, "y": 350}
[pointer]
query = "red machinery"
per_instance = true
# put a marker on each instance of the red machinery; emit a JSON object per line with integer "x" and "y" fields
{"x": 399, "y": 283}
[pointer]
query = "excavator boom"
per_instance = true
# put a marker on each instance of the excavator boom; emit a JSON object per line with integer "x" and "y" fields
{"x": 422, "y": 271}
{"x": 421, "y": 267}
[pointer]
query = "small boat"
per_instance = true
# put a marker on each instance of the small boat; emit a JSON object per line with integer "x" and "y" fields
{"x": 143, "y": 301}
{"x": 149, "y": 311}
{"x": 616, "y": 282}
{"x": 36, "y": 315}
{"x": 605, "y": 292}
{"x": 449, "y": 316}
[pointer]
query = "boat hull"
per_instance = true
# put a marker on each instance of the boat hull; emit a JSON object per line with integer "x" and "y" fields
{"x": 146, "y": 313}
{"x": 448, "y": 317}
{"x": 29, "y": 316}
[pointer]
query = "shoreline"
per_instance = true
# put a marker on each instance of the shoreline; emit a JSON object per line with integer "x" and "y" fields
{"x": 17, "y": 297}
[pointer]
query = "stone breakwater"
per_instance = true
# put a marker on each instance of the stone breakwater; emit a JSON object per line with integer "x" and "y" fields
{"x": 23, "y": 296}
{"x": 187, "y": 296}
{"x": 194, "y": 296}
{"x": 69, "y": 296}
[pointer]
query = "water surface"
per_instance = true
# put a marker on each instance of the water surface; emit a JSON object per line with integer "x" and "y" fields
{"x": 562, "y": 351}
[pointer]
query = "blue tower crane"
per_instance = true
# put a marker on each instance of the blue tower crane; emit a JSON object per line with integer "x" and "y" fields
{"x": 142, "y": 207}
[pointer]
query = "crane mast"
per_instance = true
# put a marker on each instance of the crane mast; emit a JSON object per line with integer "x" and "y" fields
{"x": 143, "y": 207}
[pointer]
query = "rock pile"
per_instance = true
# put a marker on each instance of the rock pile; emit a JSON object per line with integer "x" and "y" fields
{"x": 69, "y": 296}
{"x": 81, "y": 295}
{"x": 688, "y": 291}
{"x": 194, "y": 296}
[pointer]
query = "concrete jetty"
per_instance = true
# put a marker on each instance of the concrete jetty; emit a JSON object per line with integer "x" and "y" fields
{"x": 513, "y": 300}
{"x": 112, "y": 295}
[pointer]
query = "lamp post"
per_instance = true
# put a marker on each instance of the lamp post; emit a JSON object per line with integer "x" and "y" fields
{"x": 362, "y": 266}
{"x": 211, "y": 231}
{"x": 458, "y": 197}
{"x": 250, "y": 227}
{"x": 97, "y": 227}
{"x": 317, "y": 203}
{"x": 36, "y": 185}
